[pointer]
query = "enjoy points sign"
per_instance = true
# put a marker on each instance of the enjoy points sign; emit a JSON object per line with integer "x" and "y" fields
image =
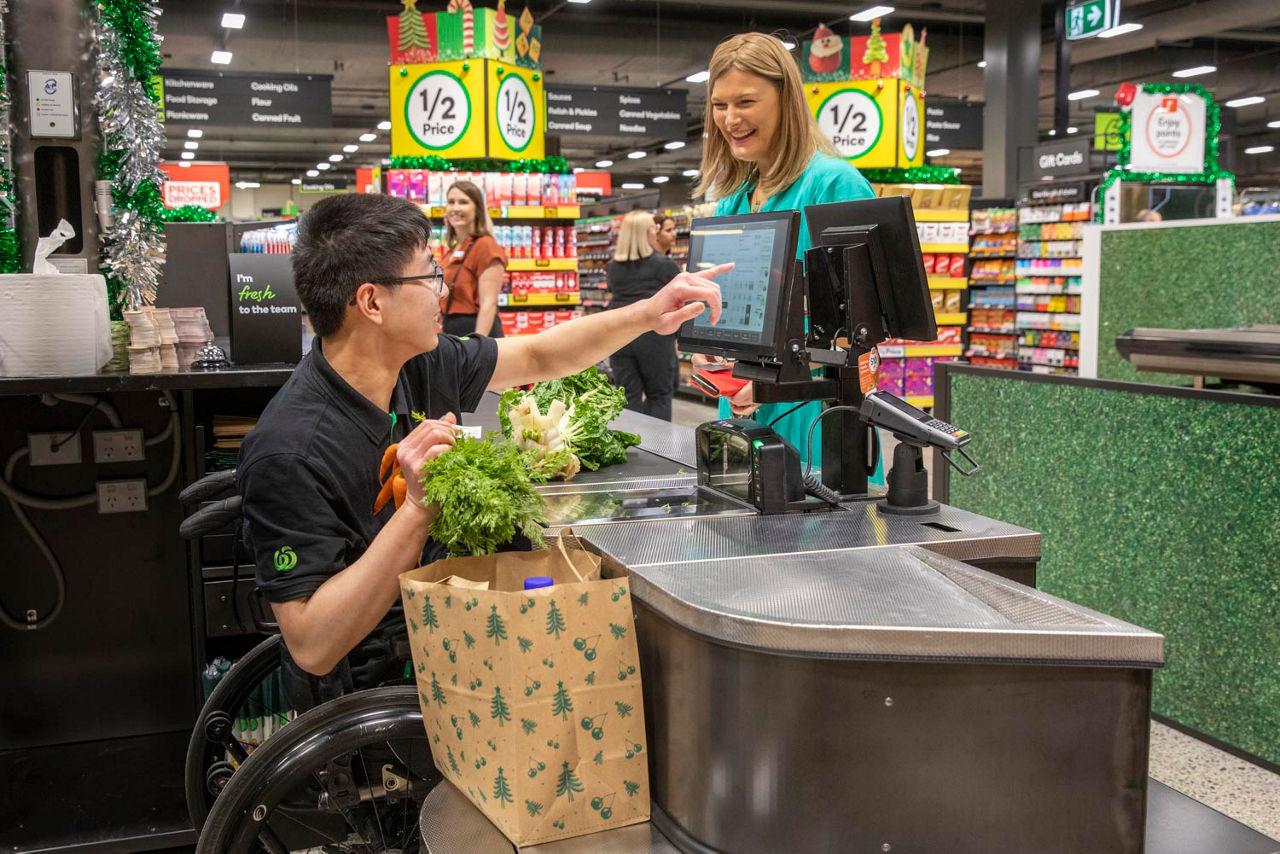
{"x": 1167, "y": 133}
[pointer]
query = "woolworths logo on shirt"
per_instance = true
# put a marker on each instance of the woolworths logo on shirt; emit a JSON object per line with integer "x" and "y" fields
{"x": 285, "y": 559}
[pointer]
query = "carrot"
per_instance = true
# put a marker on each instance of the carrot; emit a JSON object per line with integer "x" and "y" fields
{"x": 399, "y": 488}
{"x": 388, "y": 457}
{"x": 388, "y": 489}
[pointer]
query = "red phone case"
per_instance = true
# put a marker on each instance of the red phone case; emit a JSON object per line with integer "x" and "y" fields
{"x": 724, "y": 383}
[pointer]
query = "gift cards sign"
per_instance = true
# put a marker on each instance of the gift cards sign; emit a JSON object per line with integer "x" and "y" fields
{"x": 1167, "y": 132}
{"x": 872, "y": 123}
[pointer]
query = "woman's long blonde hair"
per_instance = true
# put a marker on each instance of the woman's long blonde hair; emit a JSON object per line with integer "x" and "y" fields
{"x": 483, "y": 226}
{"x": 798, "y": 137}
{"x": 633, "y": 237}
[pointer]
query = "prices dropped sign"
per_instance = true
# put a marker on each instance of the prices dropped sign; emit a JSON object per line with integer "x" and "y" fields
{"x": 853, "y": 121}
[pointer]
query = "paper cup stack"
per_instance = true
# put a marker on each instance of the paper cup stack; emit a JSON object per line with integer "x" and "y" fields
{"x": 144, "y": 342}
{"x": 119, "y": 348}
{"x": 193, "y": 332}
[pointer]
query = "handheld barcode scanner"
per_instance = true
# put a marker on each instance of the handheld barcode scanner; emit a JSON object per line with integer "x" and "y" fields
{"x": 863, "y": 281}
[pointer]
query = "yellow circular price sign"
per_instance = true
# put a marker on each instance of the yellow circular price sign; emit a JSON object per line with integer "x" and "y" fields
{"x": 437, "y": 110}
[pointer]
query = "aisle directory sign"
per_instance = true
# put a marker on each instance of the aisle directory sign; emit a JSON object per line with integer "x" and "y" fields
{"x": 246, "y": 98}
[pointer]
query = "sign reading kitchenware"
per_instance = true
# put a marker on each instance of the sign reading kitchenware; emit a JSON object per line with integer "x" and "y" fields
{"x": 616, "y": 111}
{"x": 1167, "y": 132}
{"x": 256, "y": 100}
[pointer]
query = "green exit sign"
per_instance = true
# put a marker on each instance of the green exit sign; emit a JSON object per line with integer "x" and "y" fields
{"x": 1090, "y": 17}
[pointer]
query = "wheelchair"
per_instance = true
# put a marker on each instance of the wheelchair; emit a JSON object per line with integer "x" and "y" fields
{"x": 348, "y": 775}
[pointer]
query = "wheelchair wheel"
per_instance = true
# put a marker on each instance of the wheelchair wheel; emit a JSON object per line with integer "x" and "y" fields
{"x": 216, "y": 747}
{"x": 349, "y": 775}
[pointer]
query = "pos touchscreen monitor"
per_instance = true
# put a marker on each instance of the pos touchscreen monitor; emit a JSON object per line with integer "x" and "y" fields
{"x": 755, "y": 293}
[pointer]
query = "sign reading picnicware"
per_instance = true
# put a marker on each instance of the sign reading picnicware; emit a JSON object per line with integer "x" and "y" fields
{"x": 255, "y": 100}
{"x": 616, "y": 111}
{"x": 1061, "y": 159}
{"x": 266, "y": 317}
{"x": 953, "y": 124}
{"x": 532, "y": 699}
{"x": 1167, "y": 132}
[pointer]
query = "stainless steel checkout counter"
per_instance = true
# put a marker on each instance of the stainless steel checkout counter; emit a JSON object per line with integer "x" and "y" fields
{"x": 852, "y": 681}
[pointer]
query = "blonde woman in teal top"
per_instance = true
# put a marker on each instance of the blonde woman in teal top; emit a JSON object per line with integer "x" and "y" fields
{"x": 767, "y": 154}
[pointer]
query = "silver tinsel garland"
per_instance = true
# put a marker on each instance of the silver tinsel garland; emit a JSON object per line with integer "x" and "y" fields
{"x": 133, "y": 245}
{"x": 6, "y": 161}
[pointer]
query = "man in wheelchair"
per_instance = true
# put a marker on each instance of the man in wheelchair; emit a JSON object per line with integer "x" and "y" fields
{"x": 308, "y": 473}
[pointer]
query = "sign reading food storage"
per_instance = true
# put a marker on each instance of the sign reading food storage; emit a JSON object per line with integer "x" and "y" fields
{"x": 1088, "y": 18}
{"x": 247, "y": 99}
{"x": 266, "y": 317}
{"x": 1167, "y": 132}
{"x": 616, "y": 111}
{"x": 871, "y": 123}
{"x": 516, "y": 114}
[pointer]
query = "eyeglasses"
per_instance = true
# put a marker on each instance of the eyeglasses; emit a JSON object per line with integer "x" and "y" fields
{"x": 433, "y": 280}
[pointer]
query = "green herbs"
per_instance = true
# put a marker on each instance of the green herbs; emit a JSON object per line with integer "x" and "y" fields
{"x": 565, "y": 423}
{"x": 485, "y": 492}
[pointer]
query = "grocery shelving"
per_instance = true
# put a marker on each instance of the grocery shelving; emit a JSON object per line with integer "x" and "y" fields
{"x": 990, "y": 334}
{"x": 1048, "y": 285}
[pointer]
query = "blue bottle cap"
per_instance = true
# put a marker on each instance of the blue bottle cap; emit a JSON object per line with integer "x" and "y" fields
{"x": 535, "y": 582}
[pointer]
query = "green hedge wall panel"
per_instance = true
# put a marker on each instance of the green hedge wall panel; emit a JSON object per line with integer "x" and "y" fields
{"x": 1160, "y": 510}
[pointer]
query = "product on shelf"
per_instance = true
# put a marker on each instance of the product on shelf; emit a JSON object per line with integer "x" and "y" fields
{"x": 501, "y": 189}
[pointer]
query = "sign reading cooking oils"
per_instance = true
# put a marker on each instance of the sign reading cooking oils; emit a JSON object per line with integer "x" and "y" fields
{"x": 871, "y": 123}
{"x": 516, "y": 113}
{"x": 438, "y": 108}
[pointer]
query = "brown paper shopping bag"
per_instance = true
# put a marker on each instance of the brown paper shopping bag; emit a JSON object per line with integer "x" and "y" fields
{"x": 532, "y": 699}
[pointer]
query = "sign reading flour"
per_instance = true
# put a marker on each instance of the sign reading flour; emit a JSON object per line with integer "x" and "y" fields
{"x": 266, "y": 317}
{"x": 1167, "y": 133}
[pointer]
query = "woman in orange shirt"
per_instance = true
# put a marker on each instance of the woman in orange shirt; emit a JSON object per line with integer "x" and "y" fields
{"x": 474, "y": 264}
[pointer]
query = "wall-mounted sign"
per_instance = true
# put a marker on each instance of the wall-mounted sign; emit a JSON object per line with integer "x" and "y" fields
{"x": 51, "y": 104}
{"x": 871, "y": 123}
{"x": 247, "y": 99}
{"x": 951, "y": 124}
{"x": 1061, "y": 159}
{"x": 322, "y": 185}
{"x": 1088, "y": 18}
{"x": 205, "y": 184}
{"x": 1166, "y": 132}
{"x": 616, "y": 111}
{"x": 266, "y": 317}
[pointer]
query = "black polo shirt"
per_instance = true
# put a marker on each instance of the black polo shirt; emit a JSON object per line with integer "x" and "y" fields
{"x": 308, "y": 472}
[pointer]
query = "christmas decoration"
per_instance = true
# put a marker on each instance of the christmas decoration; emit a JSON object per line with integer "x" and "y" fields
{"x": 913, "y": 175}
{"x": 190, "y": 213}
{"x": 431, "y": 163}
{"x": 413, "y": 35}
{"x": 10, "y": 260}
{"x": 501, "y": 28}
{"x": 127, "y": 59}
{"x": 468, "y": 24}
{"x": 827, "y": 51}
{"x": 875, "y": 53}
{"x": 1125, "y": 94}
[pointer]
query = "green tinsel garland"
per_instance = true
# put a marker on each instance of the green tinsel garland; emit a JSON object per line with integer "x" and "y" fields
{"x": 10, "y": 252}
{"x": 139, "y": 50}
{"x": 912, "y": 175}
{"x": 190, "y": 213}
{"x": 432, "y": 163}
{"x": 1213, "y": 125}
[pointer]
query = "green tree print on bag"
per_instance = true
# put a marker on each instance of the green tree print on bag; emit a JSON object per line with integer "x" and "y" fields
{"x": 498, "y": 707}
{"x": 567, "y": 783}
{"x": 496, "y": 629}
{"x": 555, "y": 620}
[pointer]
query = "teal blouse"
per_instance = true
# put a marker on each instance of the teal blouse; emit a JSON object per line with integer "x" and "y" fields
{"x": 826, "y": 179}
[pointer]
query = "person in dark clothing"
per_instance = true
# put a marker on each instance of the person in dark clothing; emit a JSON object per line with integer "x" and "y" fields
{"x": 308, "y": 473}
{"x": 645, "y": 368}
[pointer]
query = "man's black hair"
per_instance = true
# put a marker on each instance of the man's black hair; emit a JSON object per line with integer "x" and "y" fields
{"x": 344, "y": 241}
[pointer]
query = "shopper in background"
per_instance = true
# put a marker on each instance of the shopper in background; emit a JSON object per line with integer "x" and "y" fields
{"x": 766, "y": 153}
{"x": 474, "y": 264}
{"x": 664, "y": 239}
{"x": 646, "y": 368}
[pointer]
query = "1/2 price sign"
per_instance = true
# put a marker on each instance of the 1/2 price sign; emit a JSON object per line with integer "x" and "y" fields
{"x": 853, "y": 121}
{"x": 517, "y": 112}
{"x": 871, "y": 123}
{"x": 436, "y": 109}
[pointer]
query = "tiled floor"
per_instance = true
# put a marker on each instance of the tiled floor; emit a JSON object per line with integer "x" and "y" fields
{"x": 1239, "y": 789}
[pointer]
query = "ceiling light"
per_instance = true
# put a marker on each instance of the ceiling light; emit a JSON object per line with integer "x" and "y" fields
{"x": 674, "y": 144}
{"x": 938, "y": 152}
{"x": 195, "y": 133}
{"x": 368, "y": 137}
{"x": 871, "y": 13}
{"x": 637, "y": 155}
{"x": 788, "y": 44}
{"x": 384, "y": 125}
{"x": 1082, "y": 94}
{"x": 191, "y": 145}
{"x": 1275, "y": 124}
{"x": 1073, "y": 129}
{"x": 699, "y": 77}
{"x": 1260, "y": 149}
{"x": 185, "y": 164}
{"x": 1119, "y": 30}
{"x": 247, "y": 185}
{"x": 661, "y": 179}
{"x": 578, "y": 169}
{"x": 323, "y": 166}
{"x": 982, "y": 63}
{"x": 1052, "y": 132}
{"x": 232, "y": 20}
{"x": 188, "y": 155}
{"x": 312, "y": 173}
{"x": 689, "y": 173}
{"x": 1196, "y": 71}
{"x": 221, "y": 57}
{"x": 633, "y": 186}
{"x": 295, "y": 181}
{"x": 603, "y": 164}
{"x": 1245, "y": 102}
{"x": 350, "y": 148}
{"x": 581, "y": 2}
{"x": 335, "y": 158}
